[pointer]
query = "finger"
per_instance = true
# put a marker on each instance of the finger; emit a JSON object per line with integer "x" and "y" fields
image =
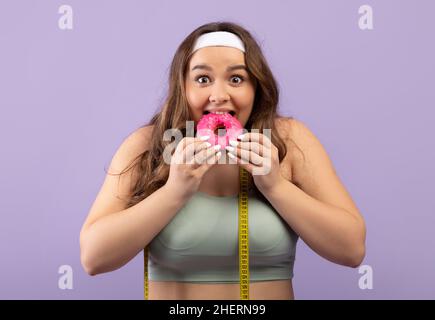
{"x": 193, "y": 149}
{"x": 256, "y": 137}
{"x": 244, "y": 164}
{"x": 246, "y": 155}
{"x": 204, "y": 155}
{"x": 178, "y": 156}
{"x": 256, "y": 147}
{"x": 264, "y": 169}
{"x": 186, "y": 148}
{"x": 211, "y": 161}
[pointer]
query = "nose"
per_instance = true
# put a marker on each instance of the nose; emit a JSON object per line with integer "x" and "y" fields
{"x": 219, "y": 94}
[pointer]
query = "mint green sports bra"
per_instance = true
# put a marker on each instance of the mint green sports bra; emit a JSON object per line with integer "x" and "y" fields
{"x": 200, "y": 244}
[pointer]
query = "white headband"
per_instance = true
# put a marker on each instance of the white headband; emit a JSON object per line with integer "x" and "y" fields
{"x": 219, "y": 38}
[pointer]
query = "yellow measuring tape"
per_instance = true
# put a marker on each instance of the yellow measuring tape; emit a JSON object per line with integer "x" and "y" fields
{"x": 243, "y": 241}
{"x": 243, "y": 236}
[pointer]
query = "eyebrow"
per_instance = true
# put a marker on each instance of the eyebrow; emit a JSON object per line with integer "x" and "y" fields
{"x": 230, "y": 68}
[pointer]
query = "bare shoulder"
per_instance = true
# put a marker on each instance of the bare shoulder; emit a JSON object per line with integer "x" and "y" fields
{"x": 116, "y": 187}
{"x": 133, "y": 145}
{"x": 138, "y": 141}
{"x": 312, "y": 168}
{"x": 285, "y": 127}
{"x": 127, "y": 155}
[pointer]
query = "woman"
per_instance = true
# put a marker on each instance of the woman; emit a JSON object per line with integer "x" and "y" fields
{"x": 186, "y": 213}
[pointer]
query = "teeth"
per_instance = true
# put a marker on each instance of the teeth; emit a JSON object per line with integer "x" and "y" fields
{"x": 218, "y": 112}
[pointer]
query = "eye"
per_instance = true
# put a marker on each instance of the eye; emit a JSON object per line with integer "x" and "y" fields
{"x": 201, "y": 77}
{"x": 237, "y": 77}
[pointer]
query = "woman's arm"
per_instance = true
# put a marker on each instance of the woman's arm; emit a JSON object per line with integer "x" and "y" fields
{"x": 113, "y": 240}
{"x": 317, "y": 205}
{"x": 112, "y": 235}
{"x": 332, "y": 232}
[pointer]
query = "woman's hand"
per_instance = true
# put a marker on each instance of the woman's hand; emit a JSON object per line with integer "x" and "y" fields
{"x": 191, "y": 159}
{"x": 257, "y": 154}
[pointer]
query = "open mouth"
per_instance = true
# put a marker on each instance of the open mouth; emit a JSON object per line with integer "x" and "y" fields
{"x": 232, "y": 113}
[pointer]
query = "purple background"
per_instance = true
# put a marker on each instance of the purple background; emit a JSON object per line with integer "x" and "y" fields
{"x": 68, "y": 99}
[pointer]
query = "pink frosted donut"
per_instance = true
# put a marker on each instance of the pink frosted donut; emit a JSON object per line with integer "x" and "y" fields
{"x": 210, "y": 122}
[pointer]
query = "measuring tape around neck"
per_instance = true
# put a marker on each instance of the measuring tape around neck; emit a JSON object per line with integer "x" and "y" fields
{"x": 243, "y": 241}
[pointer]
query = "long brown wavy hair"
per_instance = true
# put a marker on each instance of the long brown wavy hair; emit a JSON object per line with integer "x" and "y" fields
{"x": 151, "y": 171}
